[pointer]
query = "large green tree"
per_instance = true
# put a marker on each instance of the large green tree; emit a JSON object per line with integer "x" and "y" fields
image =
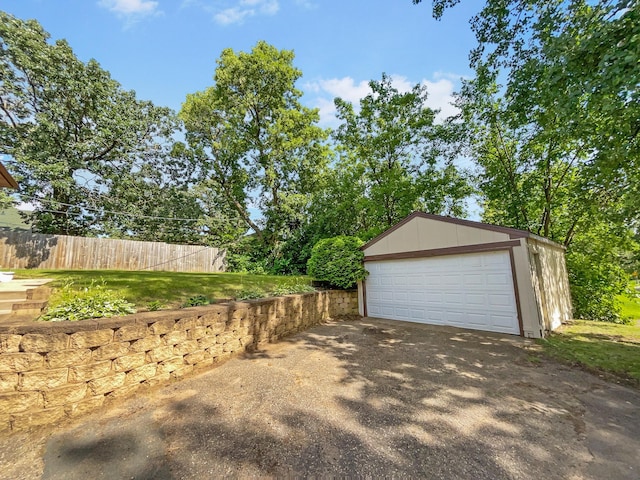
{"x": 73, "y": 133}
{"x": 393, "y": 159}
{"x": 258, "y": 148}
{"x": 554, "y": 120}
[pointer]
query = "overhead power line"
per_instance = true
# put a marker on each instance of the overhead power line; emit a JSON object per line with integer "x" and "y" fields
{"x": 99, "y": 210}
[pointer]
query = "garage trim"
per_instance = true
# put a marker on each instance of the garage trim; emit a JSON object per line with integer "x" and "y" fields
{"x": 460, "y": 250}
{"x": 439, "y": 252}
{"x": 516, "y": 292}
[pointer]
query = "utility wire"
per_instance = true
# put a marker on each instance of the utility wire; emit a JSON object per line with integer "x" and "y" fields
{"x": 82, "y": 207}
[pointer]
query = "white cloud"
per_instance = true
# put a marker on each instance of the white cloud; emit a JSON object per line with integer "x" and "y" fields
{"x": 26, "y": 207}
{"x": 306, "y": 4}
{"x": 233, "y": 15}
{"x": 130, "y": 7}
{"x": 441, "y": 97}
{"x": 440, "y": 93}
{"x": 236, "y": 11}
{"x": 326, "y": 90}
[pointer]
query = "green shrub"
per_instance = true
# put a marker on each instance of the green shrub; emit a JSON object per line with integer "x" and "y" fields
{"x": 196, "y": 301}
{"x": 155, "y": 305}
{"x": 94, "y": 301}
{"x": 595, "y": 285}
{"x": 239, "y": 263}
{"x": 337, "y": 260}
{"x": 250, "y": 294}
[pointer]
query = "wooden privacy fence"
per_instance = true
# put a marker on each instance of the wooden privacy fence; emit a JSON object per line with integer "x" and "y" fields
{"x": 23, "y": 249}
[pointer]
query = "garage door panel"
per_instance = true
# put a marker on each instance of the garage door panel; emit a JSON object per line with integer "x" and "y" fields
{"x": 451, "y": 280}
{"x": 453, "y": 299}
{"x": 386, "y": 280}
{"x": 387, "y": 310}
{"x": 416, "y": 297}
{"x": 430, "y": 298}
{"x": 500, "y": 300}
{"x": 473, "y": 280}
{"x": 478, "y": 319}
{"x": 469, "y": 291}
{"x": 386, "y": 296}
{"x": 477, "y": 300}
{"x": 435, "y": 317}
{"x": 502, "y": 321}
{"x": 401, "y": 297}
{"x": 498, "y": 279}
{"x": 401, "y": 280}
{"x": 454, "y": 317}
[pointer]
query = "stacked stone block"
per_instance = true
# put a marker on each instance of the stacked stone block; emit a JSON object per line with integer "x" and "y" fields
{"x": 53, "y": 371}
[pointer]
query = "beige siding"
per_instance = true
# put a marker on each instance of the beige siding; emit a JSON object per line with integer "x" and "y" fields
{"x": 531, "y": 324}
{"x": 361, "y": 298}
{"x": 550, "y": 283}
{"x": 426, "y": 234}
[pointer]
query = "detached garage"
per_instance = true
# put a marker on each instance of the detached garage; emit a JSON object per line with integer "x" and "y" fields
{"x": 446, "y": 271}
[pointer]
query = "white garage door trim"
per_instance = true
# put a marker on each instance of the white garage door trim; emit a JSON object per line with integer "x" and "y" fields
{"x": 472, "y": 290}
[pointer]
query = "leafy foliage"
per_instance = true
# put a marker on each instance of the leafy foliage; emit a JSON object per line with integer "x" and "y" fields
{"x": 338, "y": 260}
{"x": 394, "y": 159}
{"x": 250, "y": 294}
{"x": 291, "y": 289}
{"x": 93, "y": 301}
{"x": 553, "y": 116}
{"x": 255, "y": 143}
{"x": 196, "y": 301}
{"x": 155, "y": 305}
{"x": 71, "y": 129}
{"x": 596, "y": 276}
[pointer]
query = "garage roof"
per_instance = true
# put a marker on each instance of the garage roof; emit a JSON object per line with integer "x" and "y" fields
{"x": 513, "y": 233}
{"x": 6, "y": 180}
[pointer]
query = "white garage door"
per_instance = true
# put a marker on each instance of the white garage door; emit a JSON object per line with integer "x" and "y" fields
{"x": 468, "y": 291}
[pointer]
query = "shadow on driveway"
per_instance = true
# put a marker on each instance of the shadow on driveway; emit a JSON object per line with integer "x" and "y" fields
{"x": 368, "y": 398}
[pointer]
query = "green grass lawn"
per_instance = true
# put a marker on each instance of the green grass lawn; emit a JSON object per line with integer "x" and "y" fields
{"x": 170, "y": 288}
{"x": 600, "y": 347}
{"x": 630, "y": 307}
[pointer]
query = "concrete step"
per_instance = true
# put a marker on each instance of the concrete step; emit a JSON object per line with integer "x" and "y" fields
{"x": 23, "y": 299}
{"x": 12, "y": 295}
{"x": 33, "y": 305}
{"x": 39, "y": 293}
{"x": 13, "y": 319}
{"x": 6, "y": 306}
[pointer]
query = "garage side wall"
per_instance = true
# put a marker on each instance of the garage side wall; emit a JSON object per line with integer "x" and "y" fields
{"x": 529, "y": 310}
{"x": 549, "y": 270}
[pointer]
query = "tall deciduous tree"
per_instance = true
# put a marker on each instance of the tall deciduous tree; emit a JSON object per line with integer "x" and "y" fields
{"x": 558, "y": 142}
{"x": 258, "y": 147}
{"x": 393, "y": 160}
{"x": 71, "y": 129}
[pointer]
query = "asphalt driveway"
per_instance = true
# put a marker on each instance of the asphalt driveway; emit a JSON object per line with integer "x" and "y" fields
{"x": 368, "y": 398}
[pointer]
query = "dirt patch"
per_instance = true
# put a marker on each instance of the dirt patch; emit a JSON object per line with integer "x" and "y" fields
{"x": 366, "y": 398}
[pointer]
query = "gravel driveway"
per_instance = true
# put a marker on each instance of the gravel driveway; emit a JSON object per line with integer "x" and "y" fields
{"x": 367, "y": 398}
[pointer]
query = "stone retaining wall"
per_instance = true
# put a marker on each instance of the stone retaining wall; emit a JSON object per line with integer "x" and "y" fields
{"x": 55, "y": 370}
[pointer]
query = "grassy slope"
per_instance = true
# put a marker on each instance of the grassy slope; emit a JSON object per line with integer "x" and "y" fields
{"x": 630, "y": 307}
{"x": 600, "y": 347}
{"x": 170, "y": 288}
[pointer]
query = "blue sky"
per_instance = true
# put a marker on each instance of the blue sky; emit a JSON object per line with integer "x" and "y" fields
{"x": 164, "y": 49}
